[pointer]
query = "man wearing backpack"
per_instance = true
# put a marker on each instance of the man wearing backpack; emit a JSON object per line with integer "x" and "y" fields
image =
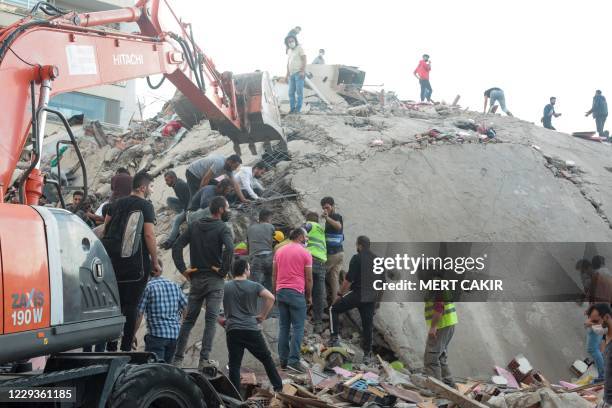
{"x": 129, "y": 239}
{"x": 211, "y": 249}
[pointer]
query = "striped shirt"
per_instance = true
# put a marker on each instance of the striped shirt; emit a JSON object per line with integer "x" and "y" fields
{"x": 162, "y": 302}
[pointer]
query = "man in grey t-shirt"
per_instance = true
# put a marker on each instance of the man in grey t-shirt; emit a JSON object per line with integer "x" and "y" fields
{"x": 205, "y": 170}
{"x": 260, "y": 242}
{"x": 242, "y": 323}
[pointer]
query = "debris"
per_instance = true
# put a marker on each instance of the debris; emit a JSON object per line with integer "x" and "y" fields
{"x": 452, "y": 394}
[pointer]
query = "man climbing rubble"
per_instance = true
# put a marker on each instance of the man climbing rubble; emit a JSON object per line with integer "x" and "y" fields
{"x": 199, "y": 207}
{"x": 179, "y": 204}
{"x": 495, "y": 95}
{"x": 248, "y": 177}
{"x": 317, "y": 248}
{"x": 132, "y": 268}
{"x": 599, "y": 110}
{"x": 422, "y": 74}
{"x": 292, "y": 282}
{"x": 549, "y": 113}
{"x": 334, "y": 237}
{"x": 259, "y": 240}
{"x": 204, "y": 171}
{"x": 296, "y": 71}
{"x": 357, "y": 292}
{"x": 210, "y": 252}
{"x": 241, "y": 323}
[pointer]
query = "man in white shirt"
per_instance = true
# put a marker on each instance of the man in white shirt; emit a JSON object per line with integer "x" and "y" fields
{"x": 247, "y": 178}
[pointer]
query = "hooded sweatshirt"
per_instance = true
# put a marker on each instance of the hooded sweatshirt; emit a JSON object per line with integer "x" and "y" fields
{"x": 210, "y": 244}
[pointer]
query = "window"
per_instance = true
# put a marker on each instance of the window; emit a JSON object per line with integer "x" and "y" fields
{"x": 26, "y": 4}
{"x": 94, "y": 107}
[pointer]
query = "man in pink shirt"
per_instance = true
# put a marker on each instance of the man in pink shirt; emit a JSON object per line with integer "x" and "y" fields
{"x": 422, "y": 74}
{"x": 292, "y": 282}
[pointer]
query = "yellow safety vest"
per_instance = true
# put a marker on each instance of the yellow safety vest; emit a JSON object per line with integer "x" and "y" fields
{"x": 448, "y": 318}
{"x": 316, "y": 242}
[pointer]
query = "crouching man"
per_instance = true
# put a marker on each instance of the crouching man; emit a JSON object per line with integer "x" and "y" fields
{"x": 242, "y": 323}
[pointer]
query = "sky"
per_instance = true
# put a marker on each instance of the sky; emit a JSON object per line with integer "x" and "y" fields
{"x": 531, "y": 49}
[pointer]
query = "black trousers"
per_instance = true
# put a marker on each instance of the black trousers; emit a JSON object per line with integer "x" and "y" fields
{"x": 350, "y": 301}
{"x": 254, "y": 342}
{"x": 129, "y": 296}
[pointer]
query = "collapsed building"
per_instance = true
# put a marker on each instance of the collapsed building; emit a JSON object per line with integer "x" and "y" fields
{"x": 402, "y": 172}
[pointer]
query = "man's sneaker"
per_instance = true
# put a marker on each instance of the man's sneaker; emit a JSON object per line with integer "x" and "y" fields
{"x": 298, "y": 366}
{"x": 367, "y": 359}
{"x": 283, "y": 365}
{"x": 204, "y": 364}
{"x": 317, "y": 328}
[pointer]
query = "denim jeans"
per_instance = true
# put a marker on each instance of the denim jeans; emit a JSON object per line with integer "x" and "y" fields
{"x": 593, "y": 342}
{"x": 261, "y": 269}
{"x": 292, "y": 309}
{"x": 162, "y": 347}
{"x": 180, "y": 217}
{"x": 296, "y": 86}
{"x": 318, "y": 290}
{"x": 498, "y": 96}
{"x": 200, "y": 292}
{"x": 426, "y": 90}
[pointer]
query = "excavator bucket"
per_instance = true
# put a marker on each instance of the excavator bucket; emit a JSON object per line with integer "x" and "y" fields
{"x": 257, "y": 107}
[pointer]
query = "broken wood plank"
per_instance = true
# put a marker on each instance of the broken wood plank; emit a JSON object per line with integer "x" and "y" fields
{"x": 452, "y": 394}
{"x": 406, "y": 395}
{"x": 456, "y": 100}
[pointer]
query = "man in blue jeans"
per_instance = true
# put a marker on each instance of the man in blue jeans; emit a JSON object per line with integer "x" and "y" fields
{"x": 164, "y": 304}
{"x": 292, "y": 280}
{"x": 296, "y": 71}
{"x": 595, "y": 333}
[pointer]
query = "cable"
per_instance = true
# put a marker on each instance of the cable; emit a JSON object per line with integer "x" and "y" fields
{"x": 22, "y": 60}
{"x": 49, "y": 9}
{"x": 155, "y": 86}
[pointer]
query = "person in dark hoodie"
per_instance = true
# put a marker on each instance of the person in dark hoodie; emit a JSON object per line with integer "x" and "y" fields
{"x": 599, "y": 110}
{"x": 210, "y": 250}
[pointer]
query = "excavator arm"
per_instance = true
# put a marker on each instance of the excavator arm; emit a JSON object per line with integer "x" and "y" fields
{"x": 41, "y": 58}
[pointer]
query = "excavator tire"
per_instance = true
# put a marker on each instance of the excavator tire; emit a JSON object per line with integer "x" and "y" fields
{"x": 155, "y": 385}
{"x": 190, "y": 115}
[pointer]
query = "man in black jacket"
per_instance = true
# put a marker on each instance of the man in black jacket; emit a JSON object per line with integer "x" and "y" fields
{"x": 210, "y": 250}
{"x": 357, "y": 292}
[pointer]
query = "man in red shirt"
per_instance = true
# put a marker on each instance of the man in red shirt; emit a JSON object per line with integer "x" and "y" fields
{"x": 422, "y": 74}
{"x": 292, "y": 281}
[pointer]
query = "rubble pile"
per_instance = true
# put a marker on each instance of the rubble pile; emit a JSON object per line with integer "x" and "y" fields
{"x": 387, "y": 384}
{"x": 406, "y": 172}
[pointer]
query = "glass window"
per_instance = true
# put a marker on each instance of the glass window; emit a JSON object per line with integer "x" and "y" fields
{"x": 93, "y": 107}
{"x": 27, "y": 4}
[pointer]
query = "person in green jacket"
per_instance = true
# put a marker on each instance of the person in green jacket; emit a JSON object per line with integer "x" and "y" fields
{"x": 318, "y": 249}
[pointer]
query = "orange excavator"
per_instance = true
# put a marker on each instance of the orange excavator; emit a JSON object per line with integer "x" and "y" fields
{"x": 58, "y": 289}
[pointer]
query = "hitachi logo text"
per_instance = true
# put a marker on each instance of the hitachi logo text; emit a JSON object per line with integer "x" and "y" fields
{"x": 128, "y": 59}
